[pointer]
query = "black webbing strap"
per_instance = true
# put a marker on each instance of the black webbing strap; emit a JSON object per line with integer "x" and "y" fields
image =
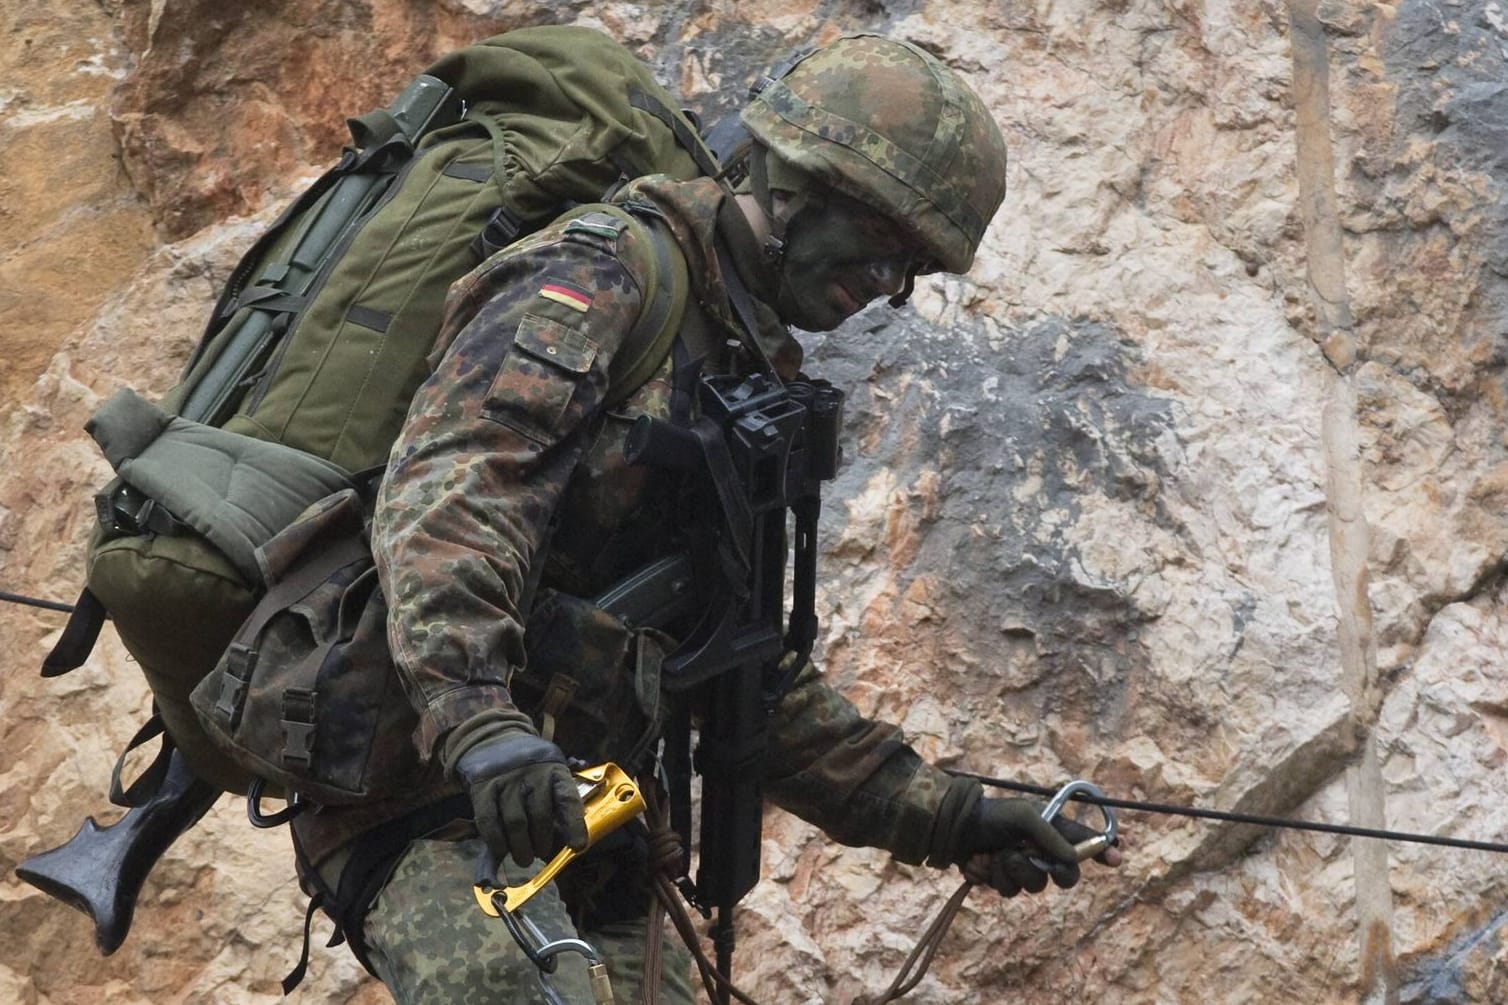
{"x": 272, "y": 300}
{"x": 743, "y": 308}
{"x": 371, "y": 860}
{"x": 150, "y": 780}
{"x": 686, "y": 374}
{"x": 709, "y": 440}
{"x": 301, "y": 968}
{"x": 686, "y": 136}
{"x": 502, "y": 229}
{"x": 79, "y": 635}
{"x": 802, "y": 623}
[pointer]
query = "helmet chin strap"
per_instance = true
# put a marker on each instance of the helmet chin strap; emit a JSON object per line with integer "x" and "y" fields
{"x": 797, "y": 199}
{"x": 900, "y": 298}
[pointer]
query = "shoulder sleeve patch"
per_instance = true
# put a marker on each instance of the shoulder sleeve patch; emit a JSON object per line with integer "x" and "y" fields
{"x": 533, "y": 388}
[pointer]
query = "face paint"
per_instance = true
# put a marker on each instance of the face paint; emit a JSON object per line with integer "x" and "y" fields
{"x": 839, "y": 255}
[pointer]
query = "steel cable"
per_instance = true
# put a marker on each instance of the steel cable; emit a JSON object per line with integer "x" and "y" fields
{"x": 49, "y": 605}
{"x": 1258, "y": 820}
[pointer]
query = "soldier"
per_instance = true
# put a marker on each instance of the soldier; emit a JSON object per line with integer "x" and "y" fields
{"x": 508, "y": 499}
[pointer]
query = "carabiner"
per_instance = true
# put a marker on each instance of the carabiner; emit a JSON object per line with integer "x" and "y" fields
{"x": 254, "y": 793}
{"x": 538, "y": 947}
{"x": 1090, "y": 847}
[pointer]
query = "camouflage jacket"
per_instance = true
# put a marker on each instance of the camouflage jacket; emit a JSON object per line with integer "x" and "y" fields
{"x": 508, "y": 454}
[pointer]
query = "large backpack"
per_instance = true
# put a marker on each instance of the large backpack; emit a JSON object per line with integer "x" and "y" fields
{"x": 305, "y": 371}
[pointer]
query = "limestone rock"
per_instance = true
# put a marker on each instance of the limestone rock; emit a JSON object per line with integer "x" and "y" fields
{"x": 1195, "y": 486}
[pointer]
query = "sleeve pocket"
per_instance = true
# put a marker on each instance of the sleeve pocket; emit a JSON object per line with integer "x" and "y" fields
{"x": 538, "y": 377}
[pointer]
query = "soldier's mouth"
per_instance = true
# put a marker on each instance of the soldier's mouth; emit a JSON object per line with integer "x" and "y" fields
{"x": 845, "y": 300}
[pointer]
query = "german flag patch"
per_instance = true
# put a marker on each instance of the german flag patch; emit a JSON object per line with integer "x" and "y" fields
{"x": 568, "y": 294}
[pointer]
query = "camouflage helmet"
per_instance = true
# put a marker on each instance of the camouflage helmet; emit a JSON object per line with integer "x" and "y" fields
{"x": 885, "y": 122}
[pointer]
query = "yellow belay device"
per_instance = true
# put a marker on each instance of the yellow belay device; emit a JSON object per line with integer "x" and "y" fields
{"x": 610, "y": 799}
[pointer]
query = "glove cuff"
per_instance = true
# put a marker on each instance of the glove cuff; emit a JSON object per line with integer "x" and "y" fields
{"x": 958, "y": 808}
{"x": 493, "y": 760}
{"x": 479, "y": 729}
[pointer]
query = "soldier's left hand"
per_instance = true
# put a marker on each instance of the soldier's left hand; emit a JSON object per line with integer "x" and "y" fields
{"x": 998, "y": 848}
{"x": 523, "y": 795}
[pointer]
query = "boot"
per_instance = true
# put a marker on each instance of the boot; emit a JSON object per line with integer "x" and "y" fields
{"x": 100, "y": 870}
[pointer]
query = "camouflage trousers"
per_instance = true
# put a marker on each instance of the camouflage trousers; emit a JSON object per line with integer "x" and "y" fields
{"x": 431, "y": 944}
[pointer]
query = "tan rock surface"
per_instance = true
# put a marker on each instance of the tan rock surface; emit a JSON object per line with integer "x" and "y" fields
{"x": 1195, "y": 486}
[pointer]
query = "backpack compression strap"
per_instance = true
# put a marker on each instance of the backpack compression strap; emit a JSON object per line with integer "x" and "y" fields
{"x": 680, "y": 128}
{"x": 79, "y": 635}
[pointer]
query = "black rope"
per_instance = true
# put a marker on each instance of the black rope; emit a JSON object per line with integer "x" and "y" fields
{"x": 1281, "y": 823}
{"x": 48, "y": 605}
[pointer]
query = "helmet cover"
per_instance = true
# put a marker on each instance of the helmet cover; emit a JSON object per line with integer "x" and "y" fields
{"x": 885, "y": 122}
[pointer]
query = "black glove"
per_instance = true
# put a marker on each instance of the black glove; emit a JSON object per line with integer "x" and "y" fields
{"x": 998, "y": 842}
{"x": 521, "y": 790}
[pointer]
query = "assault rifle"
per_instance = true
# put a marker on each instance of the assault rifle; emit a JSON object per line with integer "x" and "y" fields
{"x": 761, "y": 448}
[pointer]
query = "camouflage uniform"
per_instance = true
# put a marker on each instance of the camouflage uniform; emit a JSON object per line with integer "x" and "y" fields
{"x": 506, "y": 435}
{"x": 509, "y": 478}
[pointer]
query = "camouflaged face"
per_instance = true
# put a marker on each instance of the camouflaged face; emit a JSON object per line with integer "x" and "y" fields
{"x": 887, "y": 123}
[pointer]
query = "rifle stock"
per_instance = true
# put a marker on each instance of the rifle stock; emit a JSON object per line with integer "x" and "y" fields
{"x": 100, "y": 870}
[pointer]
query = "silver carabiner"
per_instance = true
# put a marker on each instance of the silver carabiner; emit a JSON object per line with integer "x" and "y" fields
{"x": 541, "y": 951}
{"x": 1089, "y": 847}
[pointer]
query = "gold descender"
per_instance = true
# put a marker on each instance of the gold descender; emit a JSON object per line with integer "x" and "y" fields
{"x": 610, "y": 799}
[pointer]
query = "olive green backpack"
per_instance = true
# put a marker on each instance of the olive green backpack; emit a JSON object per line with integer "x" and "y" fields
{"x": 306, "y": 368}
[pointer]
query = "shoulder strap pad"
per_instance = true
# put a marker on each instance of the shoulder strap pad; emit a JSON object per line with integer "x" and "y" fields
{"x": 666, "y": 288}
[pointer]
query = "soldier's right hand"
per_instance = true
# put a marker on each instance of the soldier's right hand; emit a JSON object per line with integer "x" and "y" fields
{"x": 523, "y": 794}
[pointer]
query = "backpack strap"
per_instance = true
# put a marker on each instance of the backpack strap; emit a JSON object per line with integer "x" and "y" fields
{"x": 660, "y": 321}
{"x": 79, "y": 635}
{"x": 680, "y": 127}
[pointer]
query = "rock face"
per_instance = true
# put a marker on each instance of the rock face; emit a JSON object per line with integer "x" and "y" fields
{"x": 1194, "y": 487}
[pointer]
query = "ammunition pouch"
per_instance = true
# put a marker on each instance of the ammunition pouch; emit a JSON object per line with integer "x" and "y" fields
{"x": 305, "y": 695}
{"x": 592, "y": 678}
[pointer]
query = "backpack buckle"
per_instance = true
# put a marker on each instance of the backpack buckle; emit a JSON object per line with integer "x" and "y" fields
{"x": 299, "y": 714}
{"x": 502, "y": 229}
{"x": 240, "y": 661}
{"x": 123, "y": 511}
{"x": 126, "y": 511}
